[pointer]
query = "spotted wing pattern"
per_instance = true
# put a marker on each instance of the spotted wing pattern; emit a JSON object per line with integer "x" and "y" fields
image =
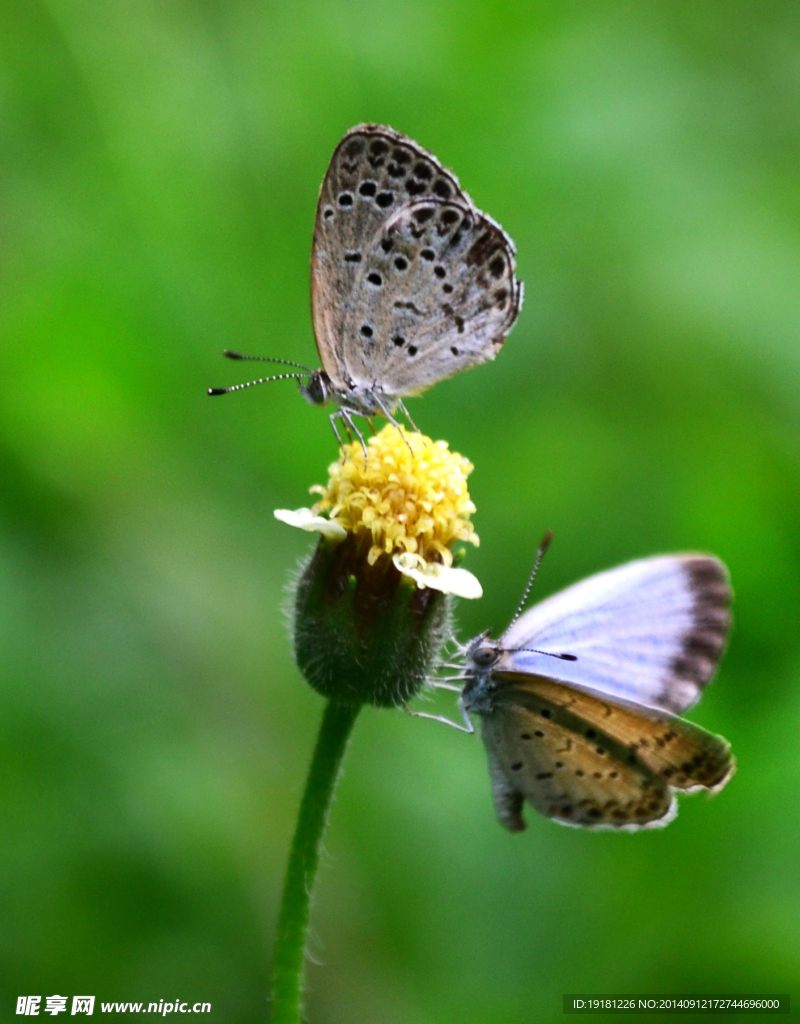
{"x": 651, "y": 631}
{"x": 584, "y": 760}
{"x": 435, "y": 293}
{"x": 410, "y": 282}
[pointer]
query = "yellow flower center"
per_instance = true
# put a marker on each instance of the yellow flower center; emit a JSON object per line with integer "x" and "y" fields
{"x": 410, "y": 495}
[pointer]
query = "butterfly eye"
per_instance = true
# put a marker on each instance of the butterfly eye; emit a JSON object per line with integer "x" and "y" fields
{"x": 484, "y": 656}
{"x": 315, "y": 391}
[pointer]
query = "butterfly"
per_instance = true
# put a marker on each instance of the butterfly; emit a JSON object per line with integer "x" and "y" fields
{"x": 578, "y": 699}
{"x": 410, "y": 282}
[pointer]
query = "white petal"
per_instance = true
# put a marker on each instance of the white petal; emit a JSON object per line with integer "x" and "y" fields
{"x": 438, "y": 577}
{"x": 304, "y": 519}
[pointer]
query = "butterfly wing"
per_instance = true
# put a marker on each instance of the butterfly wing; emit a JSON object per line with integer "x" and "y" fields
{"x": 547, "y": 760}
{"x": 368, "y": 217}
{"x": 687, "y": 757}
{"x": 434, "y": 294}
{"x": 373, "y": 172}
{"x": 582, "y": 759}
{"x": 651, "y": 631}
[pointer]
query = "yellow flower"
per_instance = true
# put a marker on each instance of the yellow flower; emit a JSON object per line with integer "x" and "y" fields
{"x": 408, "y": 497}
{"x": 388, "y": 516}
{"x": 410, "y": 494}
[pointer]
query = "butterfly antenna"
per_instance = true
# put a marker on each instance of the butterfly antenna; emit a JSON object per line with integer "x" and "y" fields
{"x": 536, "y": 563}
{"x": 252, "y": 383}
{"x": 550, "y": 654}
{"x": 265, "y": 359}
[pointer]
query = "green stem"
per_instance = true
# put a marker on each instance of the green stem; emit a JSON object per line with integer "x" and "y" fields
{"x": 334, "y": 732}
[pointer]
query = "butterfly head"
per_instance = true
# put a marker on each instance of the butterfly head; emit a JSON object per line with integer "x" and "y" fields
{"x": 318, "y": 389}
{"x": 482, "y": 655}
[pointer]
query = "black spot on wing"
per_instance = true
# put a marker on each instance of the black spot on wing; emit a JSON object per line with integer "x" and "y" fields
{"x": 409, "y": 306}
{"x": 484, "y": 246}
{"x": 378, "y": 149}
{"x": 354, "y": 148}
{"x": 497, "y": 266}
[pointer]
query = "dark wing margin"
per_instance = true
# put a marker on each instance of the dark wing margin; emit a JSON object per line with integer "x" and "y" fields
{"x": 703, "y": 644}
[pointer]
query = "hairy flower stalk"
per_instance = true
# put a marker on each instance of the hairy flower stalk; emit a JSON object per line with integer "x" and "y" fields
{"x": 372, "y": 609}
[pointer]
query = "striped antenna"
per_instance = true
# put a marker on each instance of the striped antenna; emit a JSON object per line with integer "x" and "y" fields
{"x": 536, "y": 563}
{"x": 533, "y": 650}
{"x": 252, "y": 383}
{"x": 265, "y": 359}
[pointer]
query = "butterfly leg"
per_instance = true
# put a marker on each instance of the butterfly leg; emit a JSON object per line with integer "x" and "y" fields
{"x": 407, "y": 415}
{"x": 468, "y": 727}
{"x": 347, "y": 417}
{"x": 334, "y": 416}
{"x": 438, "y": 683}
{"x": 387, "y": 413}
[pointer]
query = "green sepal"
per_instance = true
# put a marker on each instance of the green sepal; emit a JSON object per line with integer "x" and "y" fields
{"x": 365, "y": 633}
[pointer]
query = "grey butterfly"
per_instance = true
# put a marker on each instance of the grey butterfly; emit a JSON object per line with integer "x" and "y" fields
{"x": 579, "y": 698}
{"x": 410, "y": 282}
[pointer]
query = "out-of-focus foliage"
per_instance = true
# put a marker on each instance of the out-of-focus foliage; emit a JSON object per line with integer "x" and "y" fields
{"x": 160, "y": 167}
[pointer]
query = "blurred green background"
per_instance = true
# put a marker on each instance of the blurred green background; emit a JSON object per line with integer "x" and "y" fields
{"x": 160, "y": 168}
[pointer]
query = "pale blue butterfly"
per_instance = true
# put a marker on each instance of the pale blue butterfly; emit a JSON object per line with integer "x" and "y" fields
{"x": 578, "y": 698}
